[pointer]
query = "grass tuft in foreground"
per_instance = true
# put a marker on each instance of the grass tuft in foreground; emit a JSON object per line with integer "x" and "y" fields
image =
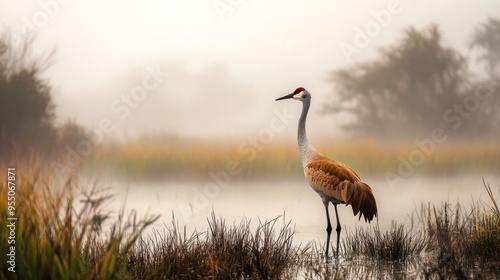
{"x": 397, "y": 244}
{"x": 63, "y": 231}
{"x": 463, "y": 240}
{"x": 222, "y": 252}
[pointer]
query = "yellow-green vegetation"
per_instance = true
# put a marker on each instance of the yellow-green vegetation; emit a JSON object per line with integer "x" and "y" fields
{"x": 62, "y": 230}
{"x": 173, "y": 160}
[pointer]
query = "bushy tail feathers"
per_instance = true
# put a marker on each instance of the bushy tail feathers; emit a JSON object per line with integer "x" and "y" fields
{"x": 360, "y": 196}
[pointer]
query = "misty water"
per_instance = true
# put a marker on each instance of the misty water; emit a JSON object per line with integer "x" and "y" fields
{"x": 191, "y": 203}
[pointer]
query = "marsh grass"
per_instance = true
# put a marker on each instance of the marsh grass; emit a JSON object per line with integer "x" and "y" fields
{"x": 397, "y": 244}
{"x": 464, "y": 241}
{"x": 55, "y": 240}
{"x": 222, "y": 252}
{"x": 67, "y": 231}
{"x": 447, "y": 241}
{"x": 158, "y": 159}
{"x": 443, "y": 241}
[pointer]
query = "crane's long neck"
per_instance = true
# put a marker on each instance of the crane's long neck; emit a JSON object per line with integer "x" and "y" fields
{"x": 306, "y": 150}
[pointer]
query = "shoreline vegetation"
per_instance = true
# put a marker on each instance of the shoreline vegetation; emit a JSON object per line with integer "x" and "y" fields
{"x": 152, "y": 159}
{"x": 65, "y": 231}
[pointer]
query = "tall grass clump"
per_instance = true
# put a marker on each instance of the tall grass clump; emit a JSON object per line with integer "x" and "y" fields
{"x": 63, "y": 231}
{"x": 463, "y": 241}
{"x": 397, "y": 244}
{"x": 222, "y": 252}
{"x": 444, "y": 242}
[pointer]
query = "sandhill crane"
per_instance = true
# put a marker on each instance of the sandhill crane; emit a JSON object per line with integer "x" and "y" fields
{"x": 334, "y": 181}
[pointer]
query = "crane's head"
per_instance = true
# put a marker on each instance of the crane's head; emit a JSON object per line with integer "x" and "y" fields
{"x": 300, "y": 94}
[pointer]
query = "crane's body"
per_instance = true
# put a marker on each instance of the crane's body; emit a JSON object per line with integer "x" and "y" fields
{"x": 334, "y": 181}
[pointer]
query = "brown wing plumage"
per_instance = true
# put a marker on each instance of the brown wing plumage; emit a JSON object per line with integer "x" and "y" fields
{"x": 340, "y": 183}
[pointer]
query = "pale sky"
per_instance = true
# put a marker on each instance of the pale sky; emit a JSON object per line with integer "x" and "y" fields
{"x": 226, "y": 60}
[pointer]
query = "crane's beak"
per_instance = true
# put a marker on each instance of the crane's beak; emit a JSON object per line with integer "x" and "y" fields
{"x": 291, "y": 95}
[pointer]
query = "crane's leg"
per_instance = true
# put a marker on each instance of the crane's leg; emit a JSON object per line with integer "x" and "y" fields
{"x": 339, "y": 228}
{"x": 328, "y": 228}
